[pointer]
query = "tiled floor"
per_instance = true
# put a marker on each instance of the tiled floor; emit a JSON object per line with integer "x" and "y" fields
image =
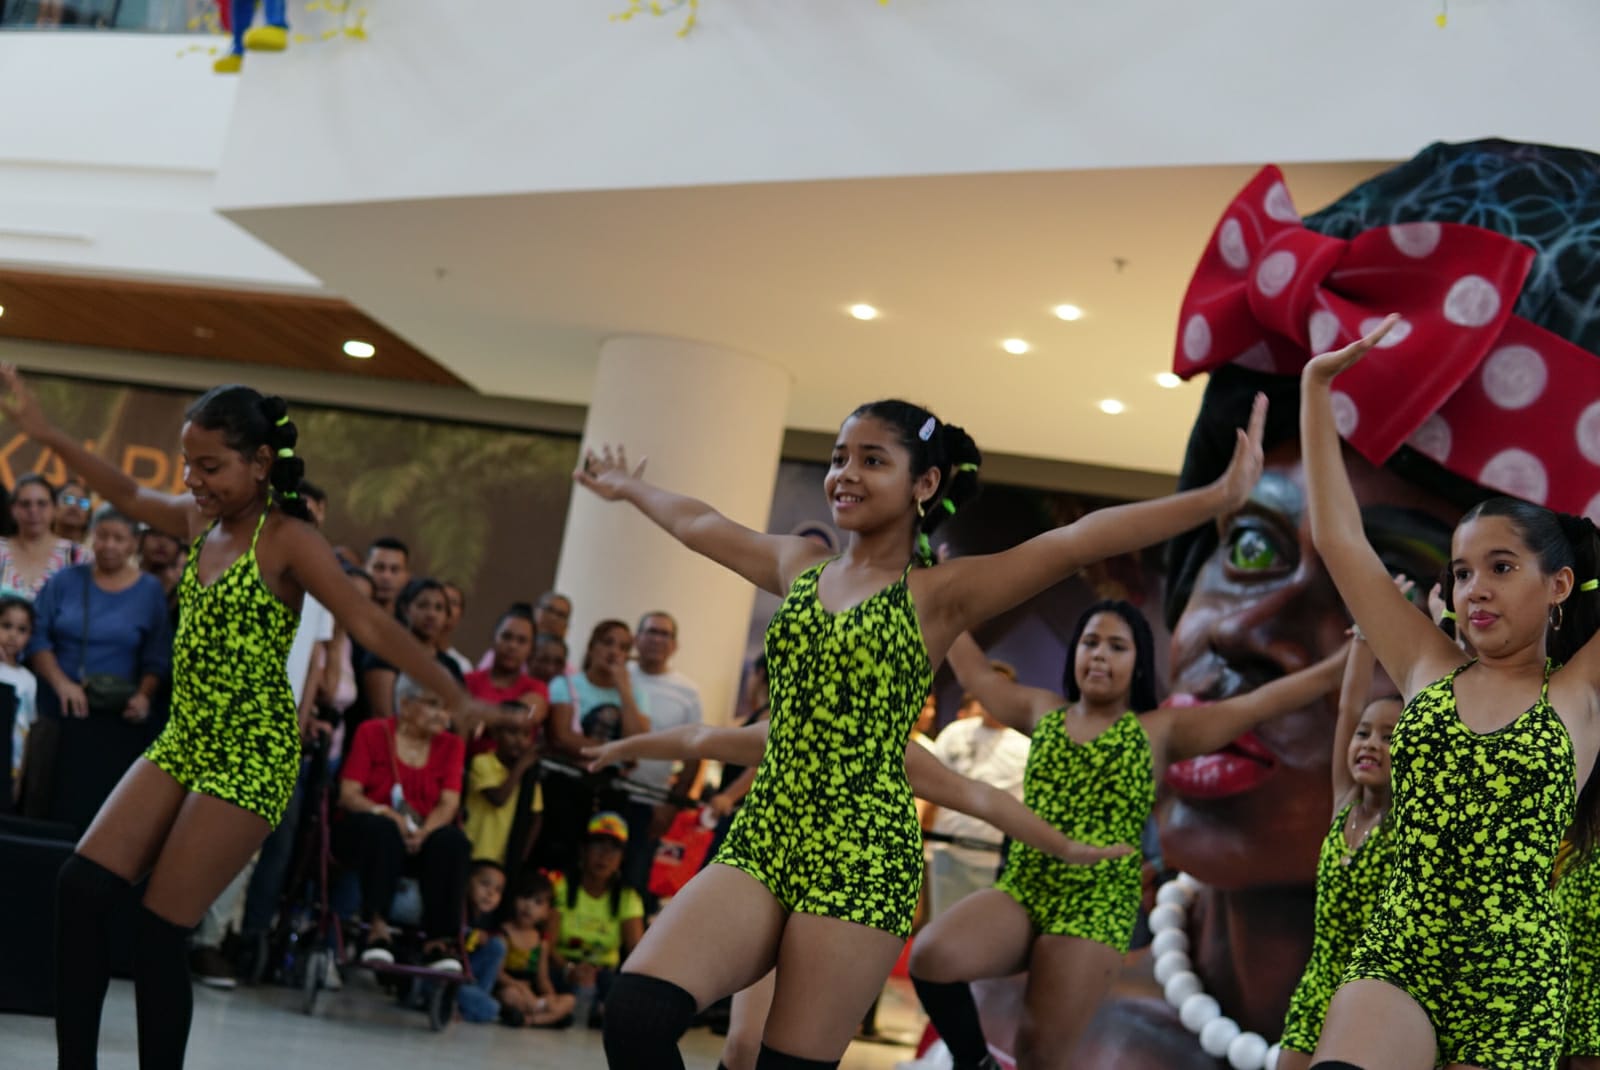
{"x": 358, "y": 1028}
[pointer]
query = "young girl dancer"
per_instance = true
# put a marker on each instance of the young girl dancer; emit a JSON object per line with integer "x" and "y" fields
{"x": 929, "y": 779}
{"x": 821, "y": 869}
{"x": 193, "y": 810}
{"x": 1464, "y": 957}
{"x": 1354, "y": 864}
{"x": 1096, "y": 755}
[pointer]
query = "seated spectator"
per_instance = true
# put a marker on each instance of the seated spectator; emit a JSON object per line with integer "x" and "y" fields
{"x": 525, "y": 989}
{"x": 34, "y": 554}
{"x": 16, "y": 628}
{"x": 72, "y": 512}
{"x": 507, "y": 680}
{"x": 400, "y": 790}
{"x": 600, "y": 919}
{"x": 486, "y": 948}
{"x": 421, "y": 608}
{"x": 549, "y": 658}
{"x": 504, "y": 800}
{"x": 103, "y": 644}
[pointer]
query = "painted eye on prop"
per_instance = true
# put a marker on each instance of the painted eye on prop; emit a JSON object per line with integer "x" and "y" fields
{"x": 1252, "y": 550}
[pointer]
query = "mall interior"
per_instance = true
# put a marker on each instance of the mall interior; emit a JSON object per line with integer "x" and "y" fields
{"x": 468, "y": 244}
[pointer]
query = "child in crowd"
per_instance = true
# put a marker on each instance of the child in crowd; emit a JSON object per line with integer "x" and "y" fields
{"x": 601, "y": 919}
{"x": 486, "y": 948}
{"x": 16, "y": 628}
{"x": 504, "y": 800}
{"x": 526, "y": 993}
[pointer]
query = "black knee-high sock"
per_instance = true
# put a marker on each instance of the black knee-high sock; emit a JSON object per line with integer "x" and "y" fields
{"x": 645, "y": 1016}
{"x": 1335, "y": 1064}
{"x": 85, "y": 894}
{"x": 954, "y": 1014}
{"x": 163, "y": 996}
{"x": 777, "y": 1060}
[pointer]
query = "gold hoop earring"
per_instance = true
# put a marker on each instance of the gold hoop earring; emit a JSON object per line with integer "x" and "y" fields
{"x": 1557, "y": 615}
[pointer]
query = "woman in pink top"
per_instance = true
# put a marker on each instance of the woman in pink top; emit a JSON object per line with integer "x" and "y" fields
{"x": 30, "y": 557}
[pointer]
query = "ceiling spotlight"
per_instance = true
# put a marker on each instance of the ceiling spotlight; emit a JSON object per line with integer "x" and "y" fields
{"x": 863, "y": 312}
{"x": 1015, "y": 346}
{"x": 2, "y": 310}
{"x": 1168, "y": 380}
{"x": 1111, "y": 406}
{"x": 1068, "y": 312}
{"x": 360, "y": 350}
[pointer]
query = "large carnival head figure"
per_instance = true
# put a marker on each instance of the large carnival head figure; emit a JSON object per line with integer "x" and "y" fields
{"x": 1490, "y": 251}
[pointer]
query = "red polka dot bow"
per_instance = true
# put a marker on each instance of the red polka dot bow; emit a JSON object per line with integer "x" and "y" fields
{"x": 1488, "y": 395}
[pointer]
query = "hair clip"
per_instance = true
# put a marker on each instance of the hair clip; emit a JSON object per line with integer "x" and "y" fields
{"x": 286, "y": 452}
{"x": 283, "y": 420}
{"x": 927, "y": 429}
{"x": 1589, "y": 585}
{"x": 968, "y": 467}
{"x": 924, "y": 547}
{"x": 949, "y": 506}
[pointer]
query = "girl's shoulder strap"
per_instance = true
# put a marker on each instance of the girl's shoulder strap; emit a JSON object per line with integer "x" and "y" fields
{"x": 261, "y": 522}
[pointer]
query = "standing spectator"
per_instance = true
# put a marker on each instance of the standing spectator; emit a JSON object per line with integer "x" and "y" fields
{"x": 674, "y": 701}
{"x": 596, "y": 704}
{"x": 162, "y": 556}
{"x": 16, "y": 628}
{"x": 549, "y": 658}
{"x": 72, "y": 511}
{"x": 551, "y": 614}
{"x": 389, "y": 565}
{"x": 504, "y": 799}
{"x": 455, "y": 605}
{"x": 601, "y": 918}
{"x": 736, "y": 780}
{"x": 986, "y": 750}
{"x": 506, "y": 680}
{"x": 400, "y": 790}
{"x": 421, "y": 608}
{"x": 30, "y": 557}
{"x": 103, "y": 644}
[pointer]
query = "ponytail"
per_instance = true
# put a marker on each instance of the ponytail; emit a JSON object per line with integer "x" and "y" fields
{"x": 249, "y": 421}
{"x": 932, "y": 444}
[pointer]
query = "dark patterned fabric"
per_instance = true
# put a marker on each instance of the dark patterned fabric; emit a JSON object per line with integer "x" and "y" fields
{"x": 1468, "y": 924}
{"x": 233, "y": 733}
{"x": 1347, "y": 891}
{"x": 1578, "y": 899}
{"x": 829, "y": 825}
{"x": 1100, "y": 793}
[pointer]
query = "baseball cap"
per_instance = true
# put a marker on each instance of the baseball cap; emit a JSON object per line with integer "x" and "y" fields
{"x": 609, "y": 824}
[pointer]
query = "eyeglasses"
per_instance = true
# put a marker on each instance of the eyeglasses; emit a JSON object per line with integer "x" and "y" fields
{"x": 555, "y": 611}
{"x": 659, "y": 633}
{"x": 72, "y": 501}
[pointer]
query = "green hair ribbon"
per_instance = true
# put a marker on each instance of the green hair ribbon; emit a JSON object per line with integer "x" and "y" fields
{"x": 968, "y": 467}
{"x": 283, "y": 421}
{"x": 949, "y": 506}
{"x": 286, "y": 452}
{"x": 1448, "y": 614}
{"x": 1589, "y": 585}
{"x": 924, "y": 548}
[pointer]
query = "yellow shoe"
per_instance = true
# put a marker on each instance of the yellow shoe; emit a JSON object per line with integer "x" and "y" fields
{"x": 266, "y": 38}
{"x": 228, "y": 64}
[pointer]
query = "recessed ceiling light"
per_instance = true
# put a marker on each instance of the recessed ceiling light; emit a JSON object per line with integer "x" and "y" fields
{"x": 2, "y": 310}
{"x": 1015, "y": 346}
{"x": 359, "y": 350}
{"x": 1168, "y": 380}
{"x": 863, "y": 312}
{"x": 1111, "y": 406}
{"x": 1068, "y": 312}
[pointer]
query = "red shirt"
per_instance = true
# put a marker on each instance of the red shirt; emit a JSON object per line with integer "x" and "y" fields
{"x": 480, "y": 685}
{"x": 372, "y": 762}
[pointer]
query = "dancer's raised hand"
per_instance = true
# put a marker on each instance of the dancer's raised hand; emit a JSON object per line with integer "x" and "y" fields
{"x": 20, "y": 404}
{"x": 606, "y": 473}
{"x": 1322, "y": 369}
{"x": 1244, "y": 471}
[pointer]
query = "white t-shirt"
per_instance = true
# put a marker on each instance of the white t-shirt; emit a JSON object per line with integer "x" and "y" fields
{"x": 674, "y": 700}
{"x": 27, "y": 688}
{"x": 997, "y": 756}
{"x": 316, "y": 626}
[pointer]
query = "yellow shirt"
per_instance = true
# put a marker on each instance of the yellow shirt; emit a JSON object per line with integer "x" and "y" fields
{"x": 489, "y": 826}
{"x": 589, "y": 931}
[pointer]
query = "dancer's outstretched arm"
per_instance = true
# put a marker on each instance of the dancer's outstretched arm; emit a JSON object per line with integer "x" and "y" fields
{"x": 1353, "y": 692}
{"x": 1007, "y": 701}
{"x": 686, "y": 743}
{"x": 1413, "y": 651}
{"x": 769, "y": 561}
{"x": 1187, "y": 732}
{"x": 970, "y": 590}
{"x": 174, "y": 514}
{"x": 931, "y": 779}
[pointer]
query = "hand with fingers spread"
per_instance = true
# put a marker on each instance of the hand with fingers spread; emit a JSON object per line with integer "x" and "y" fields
{"x": 1436, "y": 606}
{"x": 606, "y": 473}
{"x": 21, "y": 406}
{"x": 1244, "y": 471}
{"x": 1322, "y": 369}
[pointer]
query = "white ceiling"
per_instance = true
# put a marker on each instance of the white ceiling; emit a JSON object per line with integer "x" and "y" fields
{"x": 515, "y": 294}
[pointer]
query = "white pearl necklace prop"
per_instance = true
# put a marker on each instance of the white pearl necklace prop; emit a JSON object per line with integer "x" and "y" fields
{"x": 1219, "y": 1035}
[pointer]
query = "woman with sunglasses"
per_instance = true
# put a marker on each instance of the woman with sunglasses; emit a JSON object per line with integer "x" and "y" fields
{"x": 72, "y": 512}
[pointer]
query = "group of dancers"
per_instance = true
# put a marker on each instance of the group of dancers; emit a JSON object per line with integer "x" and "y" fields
{"x": 1440, "y": 935}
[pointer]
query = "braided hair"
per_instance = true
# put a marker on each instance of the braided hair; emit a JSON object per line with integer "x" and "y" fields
{"x": 932, "y": 444}
{"x": 250, "y": 421}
